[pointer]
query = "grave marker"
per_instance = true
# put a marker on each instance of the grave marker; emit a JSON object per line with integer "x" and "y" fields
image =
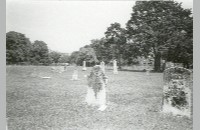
{"x": 177, "y": 92}
{"x": 84, "y": 66}
{"x": 115, "y": 71}
{"x": 96, "y": 90}
{"x": 103, "y": 66}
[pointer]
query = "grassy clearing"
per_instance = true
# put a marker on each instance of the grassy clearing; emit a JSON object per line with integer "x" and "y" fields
{"x": 134, "y": 102}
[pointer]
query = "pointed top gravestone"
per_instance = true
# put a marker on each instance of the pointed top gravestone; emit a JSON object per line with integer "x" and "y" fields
{"x": 115, "y": 71}
{"x": 177, "y": 92}
{"x": 84, "y": 66}
{"x": 103, "y": 66}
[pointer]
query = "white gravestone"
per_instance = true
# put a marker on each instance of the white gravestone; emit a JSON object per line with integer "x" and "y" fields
{"x": 75, "y": 75}
{"x": 115, "y": 71}
{"x": 177, "y": 91}
{"x": 96, "y": 90}
{"x": 84, "y": 66}
{"x": 103, "y": 66}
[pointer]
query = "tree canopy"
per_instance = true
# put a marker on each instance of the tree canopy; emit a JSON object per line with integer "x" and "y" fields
{"x": 161, "y": 26}
{"x": 18, "y": 48}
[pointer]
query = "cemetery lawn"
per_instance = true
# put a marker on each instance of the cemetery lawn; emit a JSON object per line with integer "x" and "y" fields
{"x": 57, "y": 103}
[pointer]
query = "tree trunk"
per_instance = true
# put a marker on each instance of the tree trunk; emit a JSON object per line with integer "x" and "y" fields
{"x": 157, "y": 62}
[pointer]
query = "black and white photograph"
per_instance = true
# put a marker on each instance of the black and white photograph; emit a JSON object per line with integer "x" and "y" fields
{"x": 99, "y": 65}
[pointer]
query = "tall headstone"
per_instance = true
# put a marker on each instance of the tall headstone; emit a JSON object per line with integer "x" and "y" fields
{"x": 84, "y": 66}
{"x": 103, "y": 66}
{"x": 75, "y": 75}
{"x": 177, "y": 92}
{"x": 96, "y": 90}
{"x": 115, "y": 71}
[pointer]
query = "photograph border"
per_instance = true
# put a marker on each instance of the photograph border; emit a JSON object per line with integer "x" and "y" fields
{"x": 196, "y": 62}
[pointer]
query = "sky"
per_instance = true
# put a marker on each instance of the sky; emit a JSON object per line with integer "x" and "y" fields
{"x": 65, "y": 26}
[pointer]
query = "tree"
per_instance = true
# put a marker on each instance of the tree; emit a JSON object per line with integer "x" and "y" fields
{"x": 64, "y": 58}
{"x": 18, "y": 48}
{"x": 116, "y": 41}
{"x": 74, "y": 57}
{"x": 87, "y": 54}
{"x": 40, "y": 53}
{"x": 154, "y": 25}
{"x": 102, "y": 50}
{"x": 54, "y": 56}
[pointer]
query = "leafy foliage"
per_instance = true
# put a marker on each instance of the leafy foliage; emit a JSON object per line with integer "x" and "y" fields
{"x": 40, "y": 54}
{"x": 161, "y": 26}
{"x": 55, "y": 56}
{"x": 18, "y": 48}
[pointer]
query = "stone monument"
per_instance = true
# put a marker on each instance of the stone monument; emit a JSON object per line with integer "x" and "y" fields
{"x": 103, "y": 66}
{"x": 84, "y": 66}
{"x": 177, "y": 92}
{"x": 115, "y": 71}
{"x": 96, "y": 90}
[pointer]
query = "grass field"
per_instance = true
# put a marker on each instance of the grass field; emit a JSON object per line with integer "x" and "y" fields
{"x": 57, "y": 103}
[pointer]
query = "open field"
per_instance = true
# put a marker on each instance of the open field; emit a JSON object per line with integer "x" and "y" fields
{"x": 57, "y": 103}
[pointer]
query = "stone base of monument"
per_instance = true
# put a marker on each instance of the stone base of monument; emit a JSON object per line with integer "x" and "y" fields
{"x": 168, "y": 108}
{"x": 177, "y": 91}
{"x": 99, "y": 100}
{"x": 177, "y": 100}
{"x": 84, "y": 69}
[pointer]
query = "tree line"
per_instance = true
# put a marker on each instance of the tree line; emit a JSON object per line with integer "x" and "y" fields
{"x": 19, "y": 50}
{"x": 162, "y": 30}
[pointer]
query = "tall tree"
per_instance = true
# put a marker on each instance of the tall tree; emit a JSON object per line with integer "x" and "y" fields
{"x": 87, "y": 54}
{"x": 64, "y": 58}
{"x": 156, "y": 26}
{"x": 74, "y": 57}
{"x": 54, "y": 56}
{"x": 18, "y": 48}
{"x": 102, "y": 50}
{"x": 116, "y": 41}
{"x": 40, "y": 53}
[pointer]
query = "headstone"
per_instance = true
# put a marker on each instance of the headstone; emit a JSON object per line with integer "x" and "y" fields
{"x": 84, "y": 66}
{"x": 75, "y": 75}
{"x": 103, "y": 66}
{"x": 177, "y": 97}
{"x": 65, "y": 66}
{"x": 96, "y": 90}
{"x": 115, "y": 71}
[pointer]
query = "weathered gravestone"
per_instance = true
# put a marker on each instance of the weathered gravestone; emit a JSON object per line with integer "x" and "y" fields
{"x": 96, "y": 90}
{"x": 103, "y": 66}
{"x": 177, "y": 98}
{"x": 84, "y": 66}
{"x": 115, "y": 71}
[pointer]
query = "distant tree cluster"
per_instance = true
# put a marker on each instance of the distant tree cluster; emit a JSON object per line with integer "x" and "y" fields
{"x": 19, "y": 50}
{"x": 160, "y": 29}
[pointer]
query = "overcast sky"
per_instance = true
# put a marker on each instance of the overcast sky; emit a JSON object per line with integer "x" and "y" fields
{"x": 67, "y": 25}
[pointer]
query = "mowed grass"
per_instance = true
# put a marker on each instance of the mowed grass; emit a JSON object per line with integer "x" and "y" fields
{"x": 134, "y": 101}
